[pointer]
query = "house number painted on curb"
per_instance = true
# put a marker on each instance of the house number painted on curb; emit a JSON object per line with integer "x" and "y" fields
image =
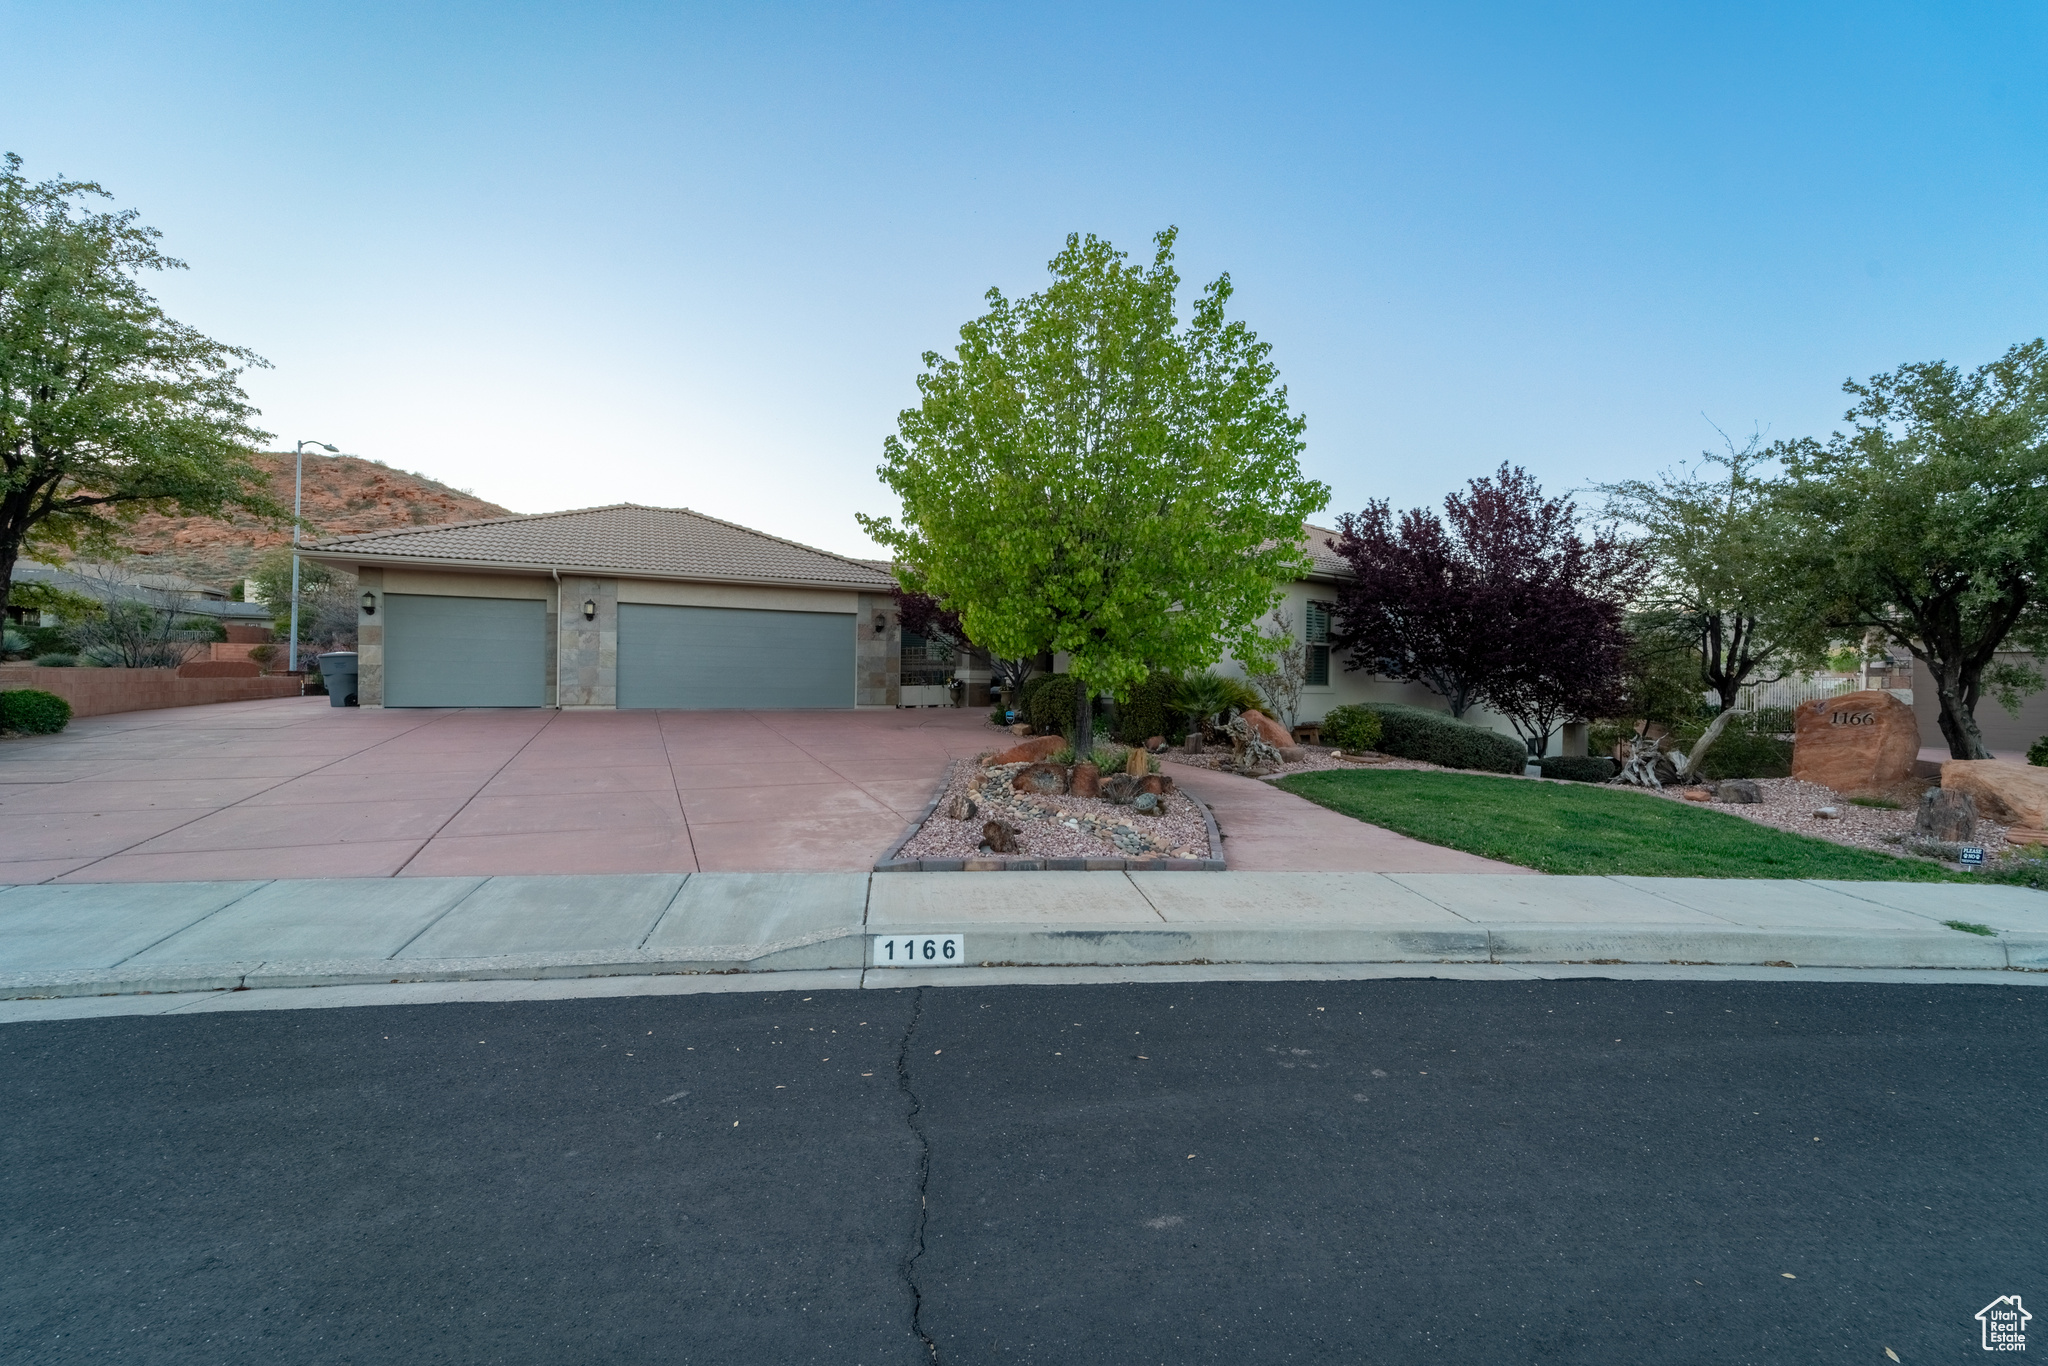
{"x": 920, "y": 950}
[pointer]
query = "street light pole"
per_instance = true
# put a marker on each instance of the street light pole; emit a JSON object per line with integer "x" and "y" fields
{"x": 298, "y": 485}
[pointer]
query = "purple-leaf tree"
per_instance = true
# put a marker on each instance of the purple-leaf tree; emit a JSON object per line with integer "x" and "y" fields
{"x": 924, "y": 615}
{"x": 1500, "y": 601}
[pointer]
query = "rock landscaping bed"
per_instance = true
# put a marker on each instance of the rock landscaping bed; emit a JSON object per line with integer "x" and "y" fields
{"x": 1026, "y": 814}
{"x": 1810, "y": 809}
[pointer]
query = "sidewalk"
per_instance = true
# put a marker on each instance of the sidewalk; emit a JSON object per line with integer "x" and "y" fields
{"x": 119, "y": 938}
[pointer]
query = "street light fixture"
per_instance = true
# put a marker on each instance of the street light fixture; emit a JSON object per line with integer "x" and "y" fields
{"x": 298, "y": 485}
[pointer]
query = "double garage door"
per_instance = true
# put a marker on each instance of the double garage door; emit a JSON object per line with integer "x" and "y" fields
{"x": 493, "y": 652}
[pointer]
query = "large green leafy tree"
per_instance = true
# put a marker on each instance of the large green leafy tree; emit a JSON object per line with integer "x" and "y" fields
{"x": 1716, "y": 598}
{"x": 108, "y": 408}
{"x": 1927, "y": 522}
{"x": 1086, "y": 475}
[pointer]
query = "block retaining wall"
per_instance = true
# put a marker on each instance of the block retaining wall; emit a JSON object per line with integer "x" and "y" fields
{"x": 98, "y": 692}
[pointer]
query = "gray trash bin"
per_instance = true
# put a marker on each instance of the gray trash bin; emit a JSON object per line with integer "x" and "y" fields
{"x": 338, "y": 672}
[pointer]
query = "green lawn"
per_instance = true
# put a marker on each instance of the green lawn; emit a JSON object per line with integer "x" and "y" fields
{"x": 1581, "y": 828}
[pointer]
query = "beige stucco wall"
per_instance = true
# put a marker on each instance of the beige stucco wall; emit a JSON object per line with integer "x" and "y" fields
{"x": 1347, "y": 687}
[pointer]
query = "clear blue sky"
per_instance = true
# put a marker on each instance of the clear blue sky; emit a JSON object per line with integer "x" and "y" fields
{"x": 565, "y": 255}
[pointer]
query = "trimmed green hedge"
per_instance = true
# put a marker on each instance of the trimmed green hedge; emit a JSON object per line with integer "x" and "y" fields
{"x": 1050, "y": 705}
{"x": 31, "y": 711}
{"x": 1147, "y": 712}
{"x": 1352, "y": 728}
{"x": 1436, "y": 738}
{"x": 1578, "y": 768}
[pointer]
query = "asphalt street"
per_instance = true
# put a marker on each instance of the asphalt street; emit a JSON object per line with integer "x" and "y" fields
{"x": 1398, "y": 1171}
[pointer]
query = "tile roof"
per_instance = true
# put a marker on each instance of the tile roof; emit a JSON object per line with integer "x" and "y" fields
{"x": 1329, "y": 564}
{"x": 625, "y": 538}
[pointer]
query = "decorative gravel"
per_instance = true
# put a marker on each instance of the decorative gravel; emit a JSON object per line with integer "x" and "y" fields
{"x": 1055, "y": 826}
{"x": 1314, "y": 759}
{"x": 1789, "y": 804}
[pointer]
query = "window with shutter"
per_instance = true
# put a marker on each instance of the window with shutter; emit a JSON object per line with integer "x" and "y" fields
{"x": 1318, "y": 625}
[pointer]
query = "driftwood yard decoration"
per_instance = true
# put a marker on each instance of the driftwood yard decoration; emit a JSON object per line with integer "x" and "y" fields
{"x": 1861, "y": 744}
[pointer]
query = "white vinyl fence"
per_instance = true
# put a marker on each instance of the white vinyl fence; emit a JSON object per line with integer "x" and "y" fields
{"x": 1790, "y": 692}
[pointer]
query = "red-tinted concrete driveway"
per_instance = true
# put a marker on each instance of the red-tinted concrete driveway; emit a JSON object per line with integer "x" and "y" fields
{"x": 297, "y": 789}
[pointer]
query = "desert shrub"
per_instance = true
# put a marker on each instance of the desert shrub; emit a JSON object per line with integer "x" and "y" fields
{"x": 1352, "y": 728}
{"x": 1744, "y": 754}
{"x": 48, "y": 640}
{"x": 203, "y": 628}
{"x": 1579, "y": 768}
{"x": 58, "y": 661}
{"x": 265, "y": 655}
{"x": 2018, "y": 871}
{"x": 1436, "y": 738}
{"x": 996, "y": 715}
{"x": 13, "y": 642}
{"x": 31, "y": 711}
{"x": 2037, "y": 753}
{"x": 1147, "y": 712}
{"x": 1748, "y": 748}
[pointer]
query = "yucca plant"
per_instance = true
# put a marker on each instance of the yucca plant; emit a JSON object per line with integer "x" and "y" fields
{"x": 1202, "y": 696}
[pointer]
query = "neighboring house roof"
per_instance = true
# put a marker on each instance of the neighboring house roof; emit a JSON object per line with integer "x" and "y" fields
{"x": 622, "y": 539}
{"x": 109, "y": 582}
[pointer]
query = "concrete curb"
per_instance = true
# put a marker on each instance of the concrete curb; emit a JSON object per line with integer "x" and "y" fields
{"x": 833, "y": 949}
{"x": 1023, "y": 944}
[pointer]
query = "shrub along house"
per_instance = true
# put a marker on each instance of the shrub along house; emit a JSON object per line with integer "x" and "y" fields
{"x": 615, "y": 607}
{"x": 1327, "y": 684}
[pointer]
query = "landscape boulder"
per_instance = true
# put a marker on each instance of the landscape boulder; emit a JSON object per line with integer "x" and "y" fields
{"x": 1946, "y": 814}
{"x": 1087, "y": 780}
{"x": 2006, "y": 792}
{"x": 1193, "y": 744}
{"x": 1155, "y": 744}
{"x": 1137, "y": 765}
{"x": 1739, "y": 792}
{"x": 962, "y": 809}
{"x": 999, "y": 837}
{"x": 1147, "y": 802}
{"x": 1861, "y": 744}
{"x": 1156, "y": 783}
{"x": 1046, "y": 779}
{"x": 1035, "y": 750}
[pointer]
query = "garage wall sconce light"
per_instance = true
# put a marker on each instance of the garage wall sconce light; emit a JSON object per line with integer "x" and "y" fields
{"x": 881, "y": 623}
{"x": 590, "y": 609}
{"x": 369, "y": 604}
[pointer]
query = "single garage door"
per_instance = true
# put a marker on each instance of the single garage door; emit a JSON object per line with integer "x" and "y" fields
{"x": 464, "y": 652}
{"x": 705, "y": 657}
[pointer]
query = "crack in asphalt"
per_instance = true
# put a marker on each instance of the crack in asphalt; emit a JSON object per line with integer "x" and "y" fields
{"x": 924, "y": 1172}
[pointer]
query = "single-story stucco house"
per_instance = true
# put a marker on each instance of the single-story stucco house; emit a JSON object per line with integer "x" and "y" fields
{"x": 1307, "y": 604}
{"x": 614, "y": 607}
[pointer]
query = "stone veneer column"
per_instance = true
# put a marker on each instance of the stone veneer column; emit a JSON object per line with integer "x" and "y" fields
{"x": 587, "y": 667}
{"x": 369, "y": 639}
{"x": 878, "y": 659}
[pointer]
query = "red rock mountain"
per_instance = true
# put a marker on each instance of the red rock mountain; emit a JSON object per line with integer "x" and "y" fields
{"x": 344, "y": 494}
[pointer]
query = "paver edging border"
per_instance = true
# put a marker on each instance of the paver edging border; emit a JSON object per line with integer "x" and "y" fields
{"x": 890, "y": 863}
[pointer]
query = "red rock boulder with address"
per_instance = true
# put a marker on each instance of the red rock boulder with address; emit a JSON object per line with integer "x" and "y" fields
{"x": 1861, "y": 744}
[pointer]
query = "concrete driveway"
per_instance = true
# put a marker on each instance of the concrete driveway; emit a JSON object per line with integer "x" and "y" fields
{"x": 294, "y": 788}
